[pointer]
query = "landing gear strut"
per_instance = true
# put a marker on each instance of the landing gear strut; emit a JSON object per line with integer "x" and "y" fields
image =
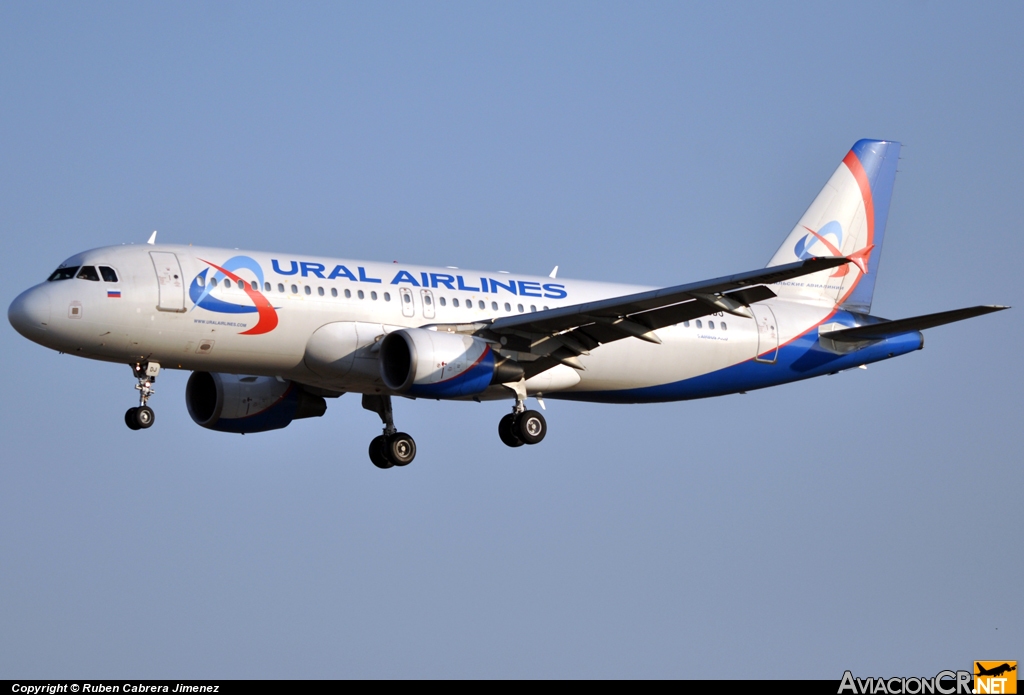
{"x": 392, "y": 448}
{"x": 521, "y": 426}
{"x": 143, "y": 417}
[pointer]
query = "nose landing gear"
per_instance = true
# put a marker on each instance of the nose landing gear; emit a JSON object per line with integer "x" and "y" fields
{"x": 143, "y": 417}
{"x": 392, "y": 448}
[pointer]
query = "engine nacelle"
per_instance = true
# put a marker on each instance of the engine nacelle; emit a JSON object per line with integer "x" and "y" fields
{"x": 431, "y": 364}
{"x": 244, "y": 404}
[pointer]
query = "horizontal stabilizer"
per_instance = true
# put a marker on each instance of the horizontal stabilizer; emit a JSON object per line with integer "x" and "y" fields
{"x": 884, "y": 329}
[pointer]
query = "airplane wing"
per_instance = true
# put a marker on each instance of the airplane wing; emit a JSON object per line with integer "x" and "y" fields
{"x": 546, "y": 338}
{"x": 884, "y": 329}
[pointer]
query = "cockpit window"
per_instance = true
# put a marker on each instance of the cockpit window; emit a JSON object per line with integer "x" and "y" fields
{"x": 88, "y": 272}
{"x": 63, "y": 274}
{"x": 108, "y": 274}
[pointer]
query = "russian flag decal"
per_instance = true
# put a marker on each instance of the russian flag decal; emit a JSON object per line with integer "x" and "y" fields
{"x": 114, "y": 293}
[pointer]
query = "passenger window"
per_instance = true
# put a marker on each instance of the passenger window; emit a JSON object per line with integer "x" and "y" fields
{"x": 361, "y": 295}
{"x": 508, "y": 307}
{"x": 266, "y": 287}
{"x": 295, "y": 289}
{"x": 213, "y": 282}
{"x": 108, "y": 274}
{"x": 334, "y": 291}
{"x": 723, "y": 326}
{"x": 241, "y": 285}
{"x": 686, "y": 324}
{"x": 494, "y": 306}
{"x": 482, "y": 305}
{"x": 373, "y": 296}
{"x": 427, "y": 300}
{"x": 520, "y": 308}
{"x": 63, "y": 274}
{"x": 533, "y": 307}
{"x": 320, "y": 291}
{"x": 711, "y": 325}
{"x": 444, "y": 302}
{"x": 88, "y": 273}
{"x": 406, "y": 298}
{"x": 387, "y": 296}
{"x": 280, "y": 288}
{"x": 545, "y": 308}
{"x": 309, "y": 291}
{"x": 699, "y": 324}
{"x": 348, "y": 294}
{"x": 254, "y": 285}
{"x": 200, "y": 280}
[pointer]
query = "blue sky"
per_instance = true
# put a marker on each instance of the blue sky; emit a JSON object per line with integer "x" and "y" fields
{"x": 868, "y": 520}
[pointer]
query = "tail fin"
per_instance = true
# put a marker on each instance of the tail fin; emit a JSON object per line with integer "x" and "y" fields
{"x": 846, "y": 219}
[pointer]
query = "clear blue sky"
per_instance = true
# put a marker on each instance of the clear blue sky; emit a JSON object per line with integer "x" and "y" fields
{"x": 869, "y": 520}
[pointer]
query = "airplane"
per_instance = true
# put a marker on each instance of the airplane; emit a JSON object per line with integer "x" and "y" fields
{"x": 269, "y": 337}
{"x": 994, "y": 671}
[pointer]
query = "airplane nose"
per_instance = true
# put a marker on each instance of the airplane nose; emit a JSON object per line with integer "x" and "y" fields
{"x": 29, "y": 313}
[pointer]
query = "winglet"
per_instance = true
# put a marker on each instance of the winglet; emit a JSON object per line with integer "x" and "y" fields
{"x": 152, "y": 238}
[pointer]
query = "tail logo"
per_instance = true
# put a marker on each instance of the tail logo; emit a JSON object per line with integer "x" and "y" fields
{"x": 807, "y": 242}
{"x": 200, "y": 292}
{"x": 833, "y": 229}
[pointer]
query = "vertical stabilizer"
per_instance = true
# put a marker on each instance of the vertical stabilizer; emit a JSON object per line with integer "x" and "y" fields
{"x": 846, "y": 219}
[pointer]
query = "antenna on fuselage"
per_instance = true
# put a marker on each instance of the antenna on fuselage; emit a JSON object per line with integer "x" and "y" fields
{"x": 152, "y": 238}
{"x": 554, "y": 272}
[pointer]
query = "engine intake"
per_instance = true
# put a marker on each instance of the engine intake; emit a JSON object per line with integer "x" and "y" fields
{"x": 244, "y": 404}
{"x": 431, "y": 364}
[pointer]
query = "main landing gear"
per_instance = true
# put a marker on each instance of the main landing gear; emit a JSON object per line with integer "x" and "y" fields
{"x": 521, "y": 426}
{"x": 392, "y": 448}
{"x": 142, "y": 417}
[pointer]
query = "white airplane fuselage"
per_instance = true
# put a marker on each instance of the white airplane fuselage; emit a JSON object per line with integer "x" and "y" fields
{"x": 84, "y": 318}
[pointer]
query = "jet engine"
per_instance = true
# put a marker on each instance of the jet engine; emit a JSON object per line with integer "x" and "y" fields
{"x": 243, "y": 404}
{"x": 433, "y": 364}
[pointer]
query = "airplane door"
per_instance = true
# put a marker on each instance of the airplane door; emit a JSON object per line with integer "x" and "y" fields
{"x": 427, "y": 298}
{"x": 408, "y": 306}
{"x": 169, "y": 281}
{"x": 767, "y": 333}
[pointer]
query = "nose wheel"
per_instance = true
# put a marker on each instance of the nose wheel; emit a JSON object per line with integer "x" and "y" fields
{"x": 140, "y": 418}
{"x": 392, "y": 448}
{"x": 143, "y": 417}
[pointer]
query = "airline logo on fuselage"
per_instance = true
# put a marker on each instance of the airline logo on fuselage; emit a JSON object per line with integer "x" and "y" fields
{"x": 454, "y": 282}
{"x": 200, "y": 293}
{"x": 201, "y": 289}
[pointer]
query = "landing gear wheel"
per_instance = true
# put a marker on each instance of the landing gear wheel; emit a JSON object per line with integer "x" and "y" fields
{"x": 506, "y": 431}
{"x": 144, "y": 417}
{"x": 129, "y": 419}
{"x": 377, "y": 455}
{"x": 401, "y": 449}
{"x": 530, "y": 426}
